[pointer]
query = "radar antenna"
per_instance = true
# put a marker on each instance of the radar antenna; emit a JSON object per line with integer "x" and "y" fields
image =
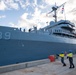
{"x": 54, "y": 9}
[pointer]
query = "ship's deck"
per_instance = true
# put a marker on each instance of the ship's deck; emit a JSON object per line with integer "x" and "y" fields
{"x": 49, "y": 68}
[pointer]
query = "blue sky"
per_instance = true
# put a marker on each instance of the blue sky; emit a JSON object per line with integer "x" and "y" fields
{"x": 29, "y": 13}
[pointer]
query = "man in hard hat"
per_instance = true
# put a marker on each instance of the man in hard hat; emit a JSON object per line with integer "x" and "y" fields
{"x": 70, "y": 56}
{"x": 62, "y": 58}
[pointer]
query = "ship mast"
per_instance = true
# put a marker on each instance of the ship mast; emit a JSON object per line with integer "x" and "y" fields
{"x": 55, "y": 12}
{"x": 54, "y": 9}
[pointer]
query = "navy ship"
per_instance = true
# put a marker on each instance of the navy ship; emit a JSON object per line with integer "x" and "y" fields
{"x": 17, "y": 46}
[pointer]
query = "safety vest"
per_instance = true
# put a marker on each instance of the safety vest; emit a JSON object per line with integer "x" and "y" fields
{"x": 61, "y": 55}
{"x": 70, "y": 55}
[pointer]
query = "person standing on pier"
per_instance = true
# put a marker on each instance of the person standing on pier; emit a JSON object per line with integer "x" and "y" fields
{"x": 62, "y": 58}
{"x": 70, "y": 57}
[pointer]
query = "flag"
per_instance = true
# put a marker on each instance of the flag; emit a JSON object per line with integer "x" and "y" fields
{"x": 62, "y": 9}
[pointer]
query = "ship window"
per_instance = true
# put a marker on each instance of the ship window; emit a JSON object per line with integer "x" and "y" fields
{"x": 44, "y": 30}
{"x": 57, "y": 31}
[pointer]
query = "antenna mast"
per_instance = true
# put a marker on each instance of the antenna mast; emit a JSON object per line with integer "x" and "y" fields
{"x": 54, "y": 9}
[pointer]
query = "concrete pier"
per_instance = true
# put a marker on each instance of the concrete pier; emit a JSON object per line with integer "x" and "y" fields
{"x": 41, "y": 67}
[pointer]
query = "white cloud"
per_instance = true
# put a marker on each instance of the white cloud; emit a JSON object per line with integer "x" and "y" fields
{"x": 24, "y": 4}
{"x": 37, "y": 13}
{"x": 24, "y": 16}
{"x": 24, "y": 22}
{"x": 8, "y": 4}
{"x": 35, "y": 1}
{"x": 12, "y": 24}
{"x": 2, "y": 6}
{"x": 3, "y": 16}
{"x": 52, "y": 2}
{"x": 12, "y": 4}
{"x": 40, "y": 18}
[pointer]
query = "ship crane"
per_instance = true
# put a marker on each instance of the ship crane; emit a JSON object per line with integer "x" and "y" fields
{"x": 54, "y": 9}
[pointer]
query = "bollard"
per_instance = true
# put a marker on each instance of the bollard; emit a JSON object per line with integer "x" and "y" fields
{"x": 52, "y": 58}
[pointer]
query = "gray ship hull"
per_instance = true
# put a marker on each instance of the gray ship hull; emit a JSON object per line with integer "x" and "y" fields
{"x": 17, "y": 51}
{"x": 17, "y": 46}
